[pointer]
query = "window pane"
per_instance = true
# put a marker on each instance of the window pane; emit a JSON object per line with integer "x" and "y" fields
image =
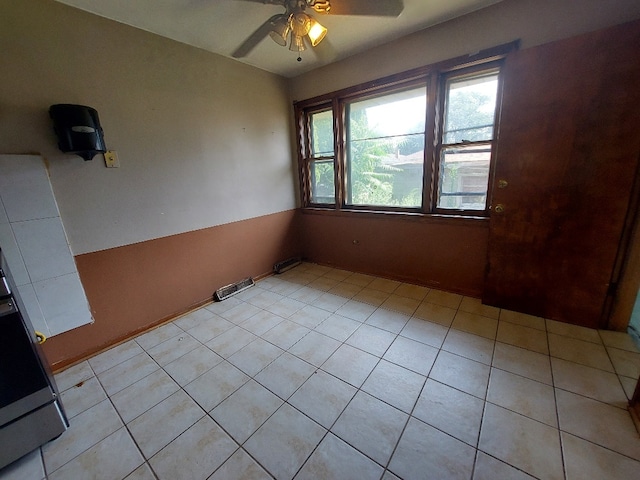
{"x": 470, "y": 109}
{"x": 322, "y": 182}
{"x": 322, "y": 134}
{"x": 385, "y": 149}
{"x": 464, "y": 176}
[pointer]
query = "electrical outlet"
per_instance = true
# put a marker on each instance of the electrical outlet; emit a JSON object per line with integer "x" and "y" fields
{"x": 111, "y": 159}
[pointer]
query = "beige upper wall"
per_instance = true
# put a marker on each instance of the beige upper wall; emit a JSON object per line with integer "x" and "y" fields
{"x": 534, "y": 22}
{"x": 202, "y": 140}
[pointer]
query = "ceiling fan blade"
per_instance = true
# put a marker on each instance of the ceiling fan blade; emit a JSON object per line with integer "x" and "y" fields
{"x": 374, "y": 8}
{"x": 255, "y": 38}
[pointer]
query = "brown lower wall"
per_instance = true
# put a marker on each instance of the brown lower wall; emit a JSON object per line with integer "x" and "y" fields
{"x": 448, "y": 254}
{"x": 135, "y": 287}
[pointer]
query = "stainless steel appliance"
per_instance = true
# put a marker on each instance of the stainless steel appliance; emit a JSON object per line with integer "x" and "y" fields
{"x": 30, "y": 410}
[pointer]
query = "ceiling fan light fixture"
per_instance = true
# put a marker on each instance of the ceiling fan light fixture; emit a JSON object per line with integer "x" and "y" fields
{"x": 297, "y": 43}
{"x": 316, "y": 32}
{"x": 280, "y": 31}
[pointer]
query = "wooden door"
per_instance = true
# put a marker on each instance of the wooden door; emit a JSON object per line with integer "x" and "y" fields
{"x": 568, "y": 148}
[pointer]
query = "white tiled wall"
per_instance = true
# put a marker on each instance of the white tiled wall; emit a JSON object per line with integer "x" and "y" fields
{"x": 33, "y": 241}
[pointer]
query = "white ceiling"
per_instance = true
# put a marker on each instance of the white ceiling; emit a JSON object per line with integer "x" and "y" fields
{"x": 221, "y": 26}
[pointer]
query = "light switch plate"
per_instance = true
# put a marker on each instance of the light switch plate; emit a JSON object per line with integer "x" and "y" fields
{"x": 111, "y": 159}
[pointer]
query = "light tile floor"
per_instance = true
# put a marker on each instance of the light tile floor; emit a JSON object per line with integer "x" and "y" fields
{"x": 321, "y": 373}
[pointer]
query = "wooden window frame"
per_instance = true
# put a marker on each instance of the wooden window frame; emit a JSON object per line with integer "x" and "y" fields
{"x": 434, "y": 77}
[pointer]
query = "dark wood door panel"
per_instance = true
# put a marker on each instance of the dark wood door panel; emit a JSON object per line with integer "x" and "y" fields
{"x": 568, "y": 148}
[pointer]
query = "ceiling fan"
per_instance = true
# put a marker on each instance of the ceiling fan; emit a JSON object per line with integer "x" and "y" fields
{"x": 296, "y": 27}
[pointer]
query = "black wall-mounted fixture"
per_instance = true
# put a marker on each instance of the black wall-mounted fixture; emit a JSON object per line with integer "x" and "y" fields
{"x": 78, "y": 130}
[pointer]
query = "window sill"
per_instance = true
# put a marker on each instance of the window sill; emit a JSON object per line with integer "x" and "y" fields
{"x": 432, "y": 218}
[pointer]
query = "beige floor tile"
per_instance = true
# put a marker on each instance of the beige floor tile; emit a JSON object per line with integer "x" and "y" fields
{"x": 435, "y": 313}
{"x": 158, "y": 335}
{"x": 315, "y": 348}
{"x": 350, "y": 364}
{"x": 87, "y": 429}
{"x": 359, "y": 279}
{"x": 259, "y": 324}
{"x": 190, "y": 366}
{"x": 338, "y": 327}
{"x": 625, "y": 363}
{"x": 245, "y": 410}
{"x": 306, "y": 294}
{"x": 476, "y": 324}
{"x": 523, "y": 362}
{"x": 114, "y": 457}
{"x": 446, "y": 299}
{"x": 413, "y": 355}
{"x": 193, "y": 318}
{"x": 346, "y": 290}
{"x": 523, "y": 319}
{"x": 356, "y": 310}
{"x": 213, "y": 387}
{"x": 284, "y": 442}
{"x": 335, "y": 459}
{"x": 423, "y": 448}
{"x": 285, "y": 375}
{"x": 83, "y": 396}
{"x": 523, "y": 337}
{"x": 579, "y": 351}
{"x": 395, "y": 385}
{"x": 201, "y": 450}
{"x": 73, "y": 376}
{"x": 136, "y": 399}
{"x": 621, "y": 340}
{"x": 401, "y": 304}
{"x": 371, "y": 296}
{"x": 240, "y": 465}
{"x": 489, "y": 468}
{"x": 469, "y": 346}
{"x": 240, "y": 312}
{"x": 409, "y": 290}
{"x": 337, "y": 274}
{"x": 425, "y": 332}
{"x": 450, "y": 410}
{"x": 371, "y": 426}
{"x": 324, "y": 284}
{"x": 310, "y": 316}
{"x": 209, "y": 328}
{"x": 323, "y": 397}
{"x": 255, "y": 356}
{"x": 174, "y": 348}
{"x": 461, "y": 373}
{"x": 29, "y": 467}
{"x": 143, "y": 472}
{"x": 475, "y": 305}
{"x": 227, "y": 304}
{"x": 105, "y": 360}
{"x": 588, "y": 381}
{"x": 526, "y": 444}
{"x": 330, "y": 302}
{"x": 598, "y": 422}
{"x": 285, "y": 307}
{"x": 229, "y": 342}
{"x": 384, "y": 285}
{"x": 629, "y": 386}
{"x": 524, "y": 396}
{"x": 573, "y": 331}
{"x": 393, "y": 322}
{"x": 586, "y": 460}
{"x": 161, "y": 424}
{"x": 265, "y": 298}
{"x": 127, "y": 373}
{"x": 285, "y": 334}
{"x": 371, "y": 339}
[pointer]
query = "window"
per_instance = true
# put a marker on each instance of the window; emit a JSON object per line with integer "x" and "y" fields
{"x": 418, "y": 142}
{"x": 321, "y": 158}
{"x": 385, "y": 149}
